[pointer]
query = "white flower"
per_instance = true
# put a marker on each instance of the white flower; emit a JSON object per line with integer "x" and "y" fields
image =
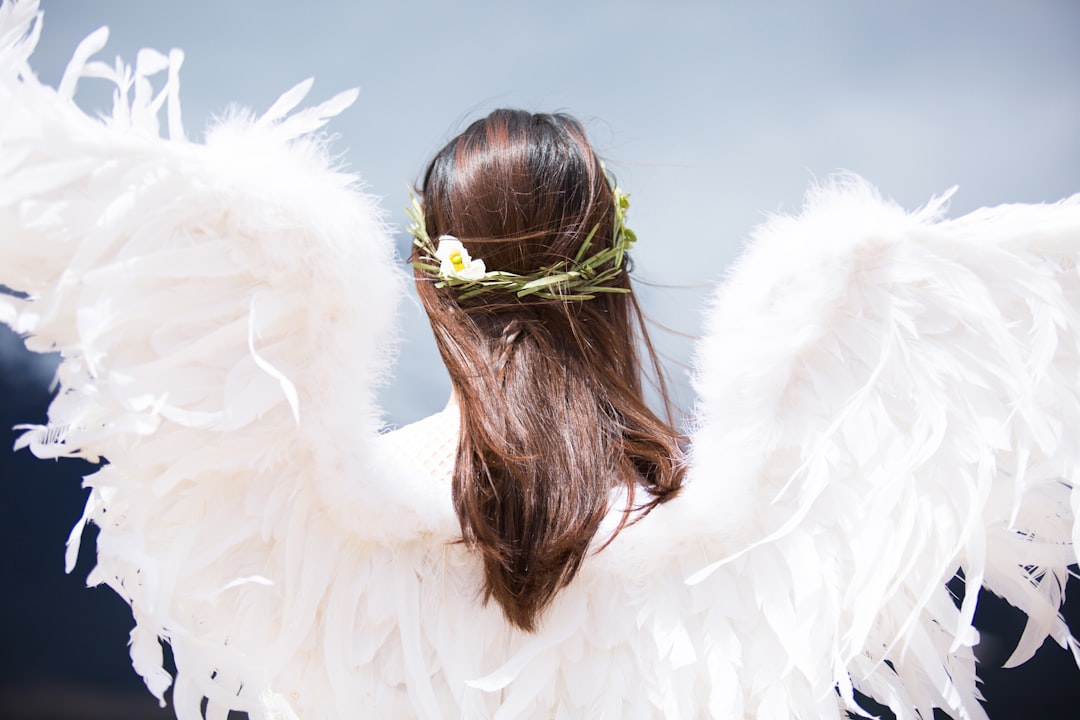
{"x": 455, "y": 262}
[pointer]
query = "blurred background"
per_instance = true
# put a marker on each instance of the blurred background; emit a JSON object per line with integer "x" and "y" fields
{"x": 712, "y": 114}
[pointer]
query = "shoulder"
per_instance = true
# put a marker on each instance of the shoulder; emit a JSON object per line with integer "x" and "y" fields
{"x": 426, "y": 447}
{"x": 398, "y": 491}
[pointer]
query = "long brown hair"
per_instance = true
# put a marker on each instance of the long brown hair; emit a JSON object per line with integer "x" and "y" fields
{"x": 552, "y": 411}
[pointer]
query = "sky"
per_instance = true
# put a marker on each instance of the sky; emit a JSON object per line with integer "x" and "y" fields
{"x": 711, "y": 114}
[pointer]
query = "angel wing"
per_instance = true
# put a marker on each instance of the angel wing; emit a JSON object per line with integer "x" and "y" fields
{"x": 224, "y": 311}
{"x": 888, "y": 400}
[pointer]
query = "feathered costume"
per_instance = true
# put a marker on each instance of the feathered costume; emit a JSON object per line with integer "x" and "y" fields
{"x": 223, "y": 312}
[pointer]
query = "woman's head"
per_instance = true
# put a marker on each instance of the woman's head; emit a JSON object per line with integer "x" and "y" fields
{"x": 550, "y": 390}
{"x": 520, "y": 190}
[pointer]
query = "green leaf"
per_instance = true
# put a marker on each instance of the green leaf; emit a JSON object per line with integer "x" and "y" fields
{"x": 586, "y": 244}
{"x": 546, "y": 281}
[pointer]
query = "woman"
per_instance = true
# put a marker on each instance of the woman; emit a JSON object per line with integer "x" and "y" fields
{"x": 549, "y": 385}
{"x": 224, "y": 312}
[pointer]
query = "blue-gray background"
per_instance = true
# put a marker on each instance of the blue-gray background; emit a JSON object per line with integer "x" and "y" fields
{"x": 710, "y": 113}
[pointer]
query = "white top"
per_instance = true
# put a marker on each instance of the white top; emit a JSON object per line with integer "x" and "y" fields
{"x": 428, "y": 446}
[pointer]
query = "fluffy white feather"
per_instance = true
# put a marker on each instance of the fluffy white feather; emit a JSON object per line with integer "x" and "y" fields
{"x": 895, "y": 392}
{"x": 206, "y": 305}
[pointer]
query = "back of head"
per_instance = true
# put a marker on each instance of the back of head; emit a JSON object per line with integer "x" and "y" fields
{"x": 553, "y": 416}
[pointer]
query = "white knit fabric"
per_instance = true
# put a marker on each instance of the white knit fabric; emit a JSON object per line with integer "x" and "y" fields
{"x": 428, "y": 446}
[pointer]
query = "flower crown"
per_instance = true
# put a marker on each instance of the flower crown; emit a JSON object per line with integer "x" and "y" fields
{"x": 580, "y": 279}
